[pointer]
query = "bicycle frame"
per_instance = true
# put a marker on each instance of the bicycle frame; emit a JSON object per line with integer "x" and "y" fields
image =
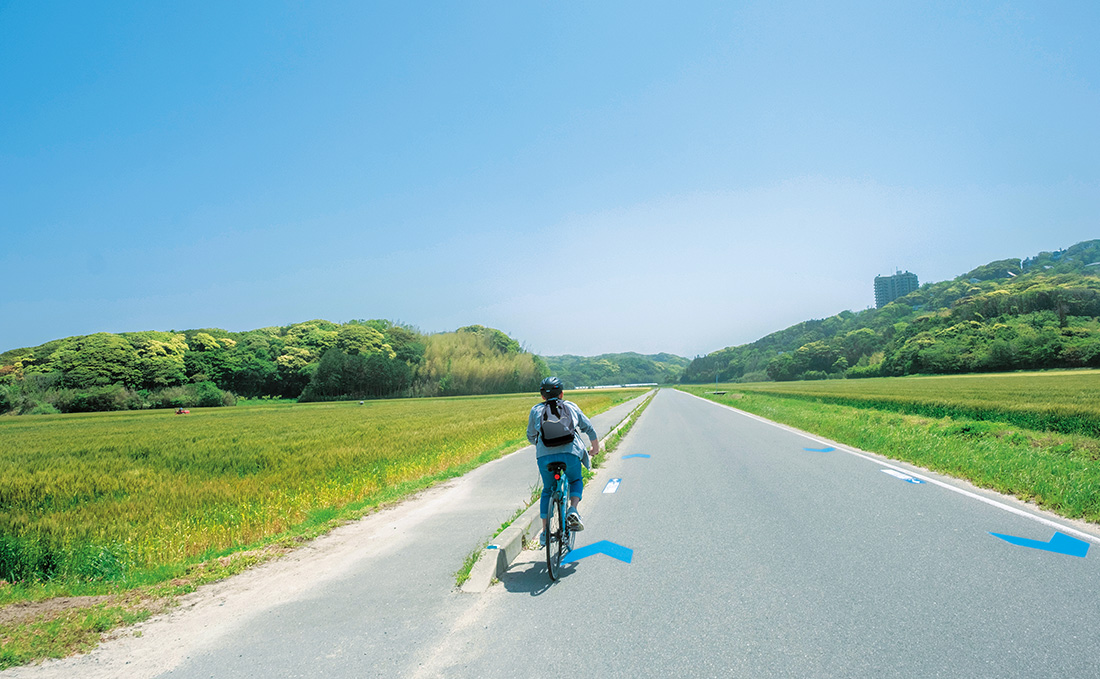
{"x": 559, "y": 539}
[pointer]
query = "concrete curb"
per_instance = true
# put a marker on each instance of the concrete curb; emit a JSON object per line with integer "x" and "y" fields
{"x": 499, "y": 554}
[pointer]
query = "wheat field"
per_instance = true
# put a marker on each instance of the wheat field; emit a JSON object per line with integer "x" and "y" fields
{"x": 100, "y": 496}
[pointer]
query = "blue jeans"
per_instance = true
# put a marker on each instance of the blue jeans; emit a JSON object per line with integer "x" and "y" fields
{"x": 572, "y": 472}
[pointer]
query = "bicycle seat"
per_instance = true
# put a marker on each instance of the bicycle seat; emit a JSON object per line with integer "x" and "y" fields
{"x": 556, "y": 466}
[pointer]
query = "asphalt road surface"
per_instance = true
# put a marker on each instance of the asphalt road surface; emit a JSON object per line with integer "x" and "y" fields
{"x": 755, "y": 557}
{"x": 754, "y": 551}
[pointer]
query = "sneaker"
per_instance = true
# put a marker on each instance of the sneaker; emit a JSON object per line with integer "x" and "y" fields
{"x": 573, "y": 520}
{"x": 542, "y": 539}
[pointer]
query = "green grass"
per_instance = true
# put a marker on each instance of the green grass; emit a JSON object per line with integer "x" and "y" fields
{"x": 463, "y": 573}
{"x": 264, "y": 401}
{"x": 1057, "y": 471}
{"x": 54, "y": 636}
{"x": 1062, "y": 401}
{"x": 55, "y": 631}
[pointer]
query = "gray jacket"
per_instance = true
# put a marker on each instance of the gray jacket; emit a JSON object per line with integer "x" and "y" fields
{"x": 534, "y": 433}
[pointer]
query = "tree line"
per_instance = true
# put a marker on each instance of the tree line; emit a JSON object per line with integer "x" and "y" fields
{"x": 621, "y": 368}
{"x": 1037, "y": 313}
{"x": 314, "y": 360}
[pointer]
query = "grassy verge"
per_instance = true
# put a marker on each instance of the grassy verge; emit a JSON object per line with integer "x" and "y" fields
{"x": 1059, "y": 472}
{"x": 1066, "y": 401}
{"x": 463, "y": 573}
{"x": 71, "y": 631}
{"x": 61, "y": 626}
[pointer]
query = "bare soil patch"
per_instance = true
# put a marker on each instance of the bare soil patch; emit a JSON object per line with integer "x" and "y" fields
{"x": 25, "y": 611}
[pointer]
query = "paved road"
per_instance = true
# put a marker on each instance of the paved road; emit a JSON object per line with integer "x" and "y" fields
{"x": 752, "y": 557}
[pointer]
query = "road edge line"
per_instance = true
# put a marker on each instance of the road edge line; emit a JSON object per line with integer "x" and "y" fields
{"x": 867, "y": 455}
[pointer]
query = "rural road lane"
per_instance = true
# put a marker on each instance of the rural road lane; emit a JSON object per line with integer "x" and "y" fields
{"x": 752, "y": 557}
{"x": 755, "y": 557}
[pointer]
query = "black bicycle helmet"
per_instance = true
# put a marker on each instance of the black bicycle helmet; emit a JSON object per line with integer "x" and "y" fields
{"x": 551, "y": 387}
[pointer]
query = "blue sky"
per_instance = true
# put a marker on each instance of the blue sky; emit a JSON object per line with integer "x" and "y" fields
{"x": 588, "y": 177}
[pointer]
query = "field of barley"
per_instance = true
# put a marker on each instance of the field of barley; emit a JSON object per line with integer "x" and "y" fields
{"x": 101, "y": 497}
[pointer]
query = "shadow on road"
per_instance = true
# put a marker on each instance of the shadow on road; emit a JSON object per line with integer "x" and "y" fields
{"x": 528, "y": 575}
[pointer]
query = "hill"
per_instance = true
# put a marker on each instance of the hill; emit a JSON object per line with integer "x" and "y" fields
{"x": 624, "y": 368}
{"x": 314, "y": 360}
{"x": 1035, "y": 313}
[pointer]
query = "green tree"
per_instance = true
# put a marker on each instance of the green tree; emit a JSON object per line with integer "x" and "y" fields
{"x": 360, "y": 339}
{"x": 859, "y": 343}
{"x": 204, "y": 341}
{"x": 160, "y": 358}
{"x": 97, "y": 360}
{"x": 317, "y": 336}
{"x": 817, "y": 356}
{"x": 782, "y": 368}
{"x": 294, "y": 370}
{"x": 249, "y": 374}
{"x": 496, "y": 339}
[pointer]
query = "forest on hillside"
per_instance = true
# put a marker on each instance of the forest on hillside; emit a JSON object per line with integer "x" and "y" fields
{"x": 1037, "y": 313}
{"x": 622, "y": 368}
{"x": 311, "y": 361}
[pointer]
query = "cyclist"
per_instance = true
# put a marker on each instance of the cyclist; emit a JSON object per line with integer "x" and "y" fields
{"x": 572, "y": 453}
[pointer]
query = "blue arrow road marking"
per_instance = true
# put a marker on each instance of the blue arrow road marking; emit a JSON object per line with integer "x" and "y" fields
{"x": 612, "y": 485}
{"x": 901, "y": 475}
{"x": 602, "y": 547}
{"x": 627, "y": 457}
{"x": 1060, "y": 544}
{"x": 820, "y": 450}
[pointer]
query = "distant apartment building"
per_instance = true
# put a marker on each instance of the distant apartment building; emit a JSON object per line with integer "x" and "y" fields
{"x": 889, "y": 288}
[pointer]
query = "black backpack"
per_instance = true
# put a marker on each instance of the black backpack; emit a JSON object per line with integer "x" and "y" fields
{"x": 558, "y": 425}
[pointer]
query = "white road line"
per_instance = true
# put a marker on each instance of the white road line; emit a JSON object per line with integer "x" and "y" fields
{"x": 845, "y": 449}
{"x": 904, "y": 476}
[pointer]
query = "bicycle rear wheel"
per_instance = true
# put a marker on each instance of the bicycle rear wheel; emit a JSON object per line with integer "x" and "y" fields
{"x": 554, "y": 536}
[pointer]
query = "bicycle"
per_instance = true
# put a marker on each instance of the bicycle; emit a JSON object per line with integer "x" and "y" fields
{"x": 559, "y": 539}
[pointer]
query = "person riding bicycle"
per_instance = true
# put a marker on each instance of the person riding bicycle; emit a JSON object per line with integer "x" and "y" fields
{"x": 571, "y": 452}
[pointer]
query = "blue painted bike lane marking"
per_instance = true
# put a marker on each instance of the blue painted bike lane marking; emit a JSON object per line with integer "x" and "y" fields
{"x": 615, "y": 551}
{"x": 1059, "y": 544}
{"x": 611, "y": 549}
